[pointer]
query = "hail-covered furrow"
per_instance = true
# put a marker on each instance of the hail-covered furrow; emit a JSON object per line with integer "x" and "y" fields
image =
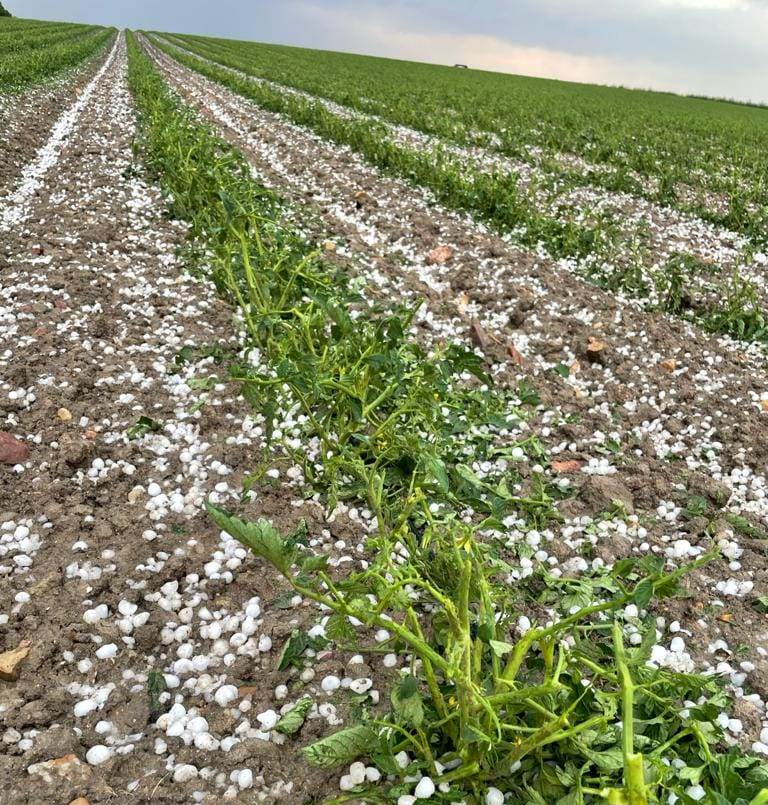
{"x": 26, "y": 118}
{"x": 16, "y": 205}
{"x": 149, "y": 668}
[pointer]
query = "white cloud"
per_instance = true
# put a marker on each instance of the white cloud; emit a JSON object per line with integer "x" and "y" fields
{"x": 712, "y": 5}
{"x": 704, "y": 5}
{"x": 715, "y": 11}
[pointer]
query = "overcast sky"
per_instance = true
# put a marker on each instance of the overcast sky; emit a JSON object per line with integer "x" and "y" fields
{"x": 713, "y": 47}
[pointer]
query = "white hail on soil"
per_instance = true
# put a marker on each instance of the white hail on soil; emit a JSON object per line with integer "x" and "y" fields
{"x": 201, "y": 648}
{"x": 15, "y": 208}
{"x": 30, "y": 109}
{"x": 200, "y": 643}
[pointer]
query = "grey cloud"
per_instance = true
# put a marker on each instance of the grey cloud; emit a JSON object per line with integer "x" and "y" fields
{"x": 679, "y": 44}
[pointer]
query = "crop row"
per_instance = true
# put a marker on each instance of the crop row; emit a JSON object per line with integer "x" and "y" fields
{"x": 726, "y": 302}
{"x": 368, "y": 416}
{"x": 700, "y": 156}
{"x": 15, "y": 25}
{"x": 36, "y": 38}
{"x": 12, "y": 28}
{"x": 42, "y": 56}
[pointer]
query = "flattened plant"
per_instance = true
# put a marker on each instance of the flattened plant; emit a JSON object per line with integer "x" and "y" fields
{"x": 562, "y": 711}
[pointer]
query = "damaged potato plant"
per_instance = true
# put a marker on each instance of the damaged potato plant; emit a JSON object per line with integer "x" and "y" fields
{"x": 554, "y": 711}
{"x": 691, "y": 289}
{"x": 485, "y": 704}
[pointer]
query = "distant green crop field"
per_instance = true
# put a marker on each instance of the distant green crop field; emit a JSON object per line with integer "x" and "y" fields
{"x": 704, "y": 155}
{"x": 32, "y": 51}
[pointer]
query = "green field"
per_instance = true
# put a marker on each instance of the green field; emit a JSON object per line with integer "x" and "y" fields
{"x": 649, "y": 143}
{"x": 32, "y": 51}
{"x": 533, "y": 201}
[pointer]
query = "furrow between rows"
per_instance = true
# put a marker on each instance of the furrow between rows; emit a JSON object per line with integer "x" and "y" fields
{"x": 16, "y": 205}
{"x": 117, "y": 425}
